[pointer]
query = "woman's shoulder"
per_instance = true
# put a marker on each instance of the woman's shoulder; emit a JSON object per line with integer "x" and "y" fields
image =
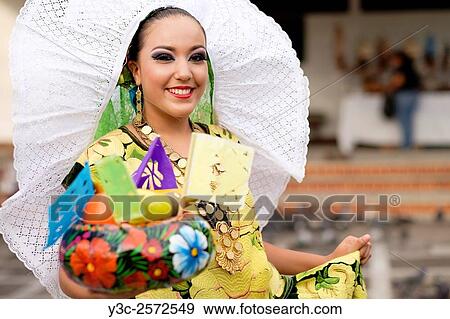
{"x": 113, "y": 143}
{"x": 121, "y": 135}
{"x": 219, "y": 131}
{"x": 118, "y": 142}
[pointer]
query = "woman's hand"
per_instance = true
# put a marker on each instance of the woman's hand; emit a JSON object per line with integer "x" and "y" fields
{"x": 351, "y": 244}
{"x": 75, "y": 290}
{"x": 291, "y": 262}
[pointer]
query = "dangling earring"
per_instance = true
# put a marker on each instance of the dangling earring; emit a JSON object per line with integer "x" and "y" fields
{"x": 139, "y": 111}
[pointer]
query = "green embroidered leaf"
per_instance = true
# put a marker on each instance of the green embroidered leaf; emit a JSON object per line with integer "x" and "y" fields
{"x": 120, "y": 266}
{"x": 332, "y": 280}
{"x": 136, "y": 154}
{"x": 136, "y": 251}
{"x": 115, "y": 239}
{"x": 357, "y": 268}
{"x": 143, "y": 267}
{"x": 71, "y": 237}
{"x": 136, "y": 259}
{"x": 69, "y": 252}
{"x": 256, "y": 242}
{"x": 129, "y": 272}
{"x": 181, "y": 286}
{"x": 173, "y": 273}
{"x": 319, "y": 277}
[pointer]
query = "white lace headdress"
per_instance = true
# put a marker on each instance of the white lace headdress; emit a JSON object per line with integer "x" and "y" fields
{"x": 66, "y": 57}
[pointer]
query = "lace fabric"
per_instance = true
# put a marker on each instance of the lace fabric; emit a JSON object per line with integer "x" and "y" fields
{"x": 66, "y": 57}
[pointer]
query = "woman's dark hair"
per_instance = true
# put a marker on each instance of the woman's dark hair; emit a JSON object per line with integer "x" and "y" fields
{"x": 155, "y": 15}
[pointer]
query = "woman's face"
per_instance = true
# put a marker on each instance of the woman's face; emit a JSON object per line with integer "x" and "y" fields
{"x": 171, "y": 66}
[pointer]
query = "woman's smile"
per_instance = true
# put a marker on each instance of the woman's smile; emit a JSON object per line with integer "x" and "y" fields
{"x": 181, "y": 92}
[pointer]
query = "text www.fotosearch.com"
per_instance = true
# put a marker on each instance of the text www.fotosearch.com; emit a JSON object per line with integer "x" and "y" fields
{"x": 246, "y": 309}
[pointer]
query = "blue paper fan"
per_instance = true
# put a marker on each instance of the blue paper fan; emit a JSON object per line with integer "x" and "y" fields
{"x": 68, "y": 208}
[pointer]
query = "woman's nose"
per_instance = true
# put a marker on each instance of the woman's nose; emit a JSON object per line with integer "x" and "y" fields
{"x": 183, "y": 72}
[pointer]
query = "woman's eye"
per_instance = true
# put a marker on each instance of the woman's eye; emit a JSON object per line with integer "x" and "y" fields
{"x": 162, "y": 57}
{"x": 198, "y": 57}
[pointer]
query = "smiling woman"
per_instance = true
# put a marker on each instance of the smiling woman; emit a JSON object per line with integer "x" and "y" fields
{"x": 167, "y": 58}
{"x": 259, "y": 94}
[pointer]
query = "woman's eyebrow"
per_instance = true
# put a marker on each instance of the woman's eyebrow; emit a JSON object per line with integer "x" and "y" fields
{"x": 166, "y": 47}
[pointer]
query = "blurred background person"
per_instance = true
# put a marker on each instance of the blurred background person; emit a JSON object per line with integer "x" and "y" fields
{"x": 404, "y": 85}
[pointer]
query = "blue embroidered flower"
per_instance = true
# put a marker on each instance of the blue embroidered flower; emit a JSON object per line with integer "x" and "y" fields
{"x": 189, "y": 252}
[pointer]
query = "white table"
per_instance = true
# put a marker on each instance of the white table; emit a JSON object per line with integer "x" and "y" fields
{"x": 361, "y": 121}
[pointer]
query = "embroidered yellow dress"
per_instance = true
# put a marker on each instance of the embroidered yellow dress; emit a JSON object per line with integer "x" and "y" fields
{"x": 241, "y": 268}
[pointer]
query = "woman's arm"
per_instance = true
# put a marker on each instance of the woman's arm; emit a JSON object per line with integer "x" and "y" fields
{"x": 291, "y": 262}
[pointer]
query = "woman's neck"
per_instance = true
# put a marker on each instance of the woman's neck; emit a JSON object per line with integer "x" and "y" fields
{"x": 176, "y": 132}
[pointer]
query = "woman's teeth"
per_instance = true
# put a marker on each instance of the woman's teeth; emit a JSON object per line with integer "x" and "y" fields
{"x": 180, "y": 92}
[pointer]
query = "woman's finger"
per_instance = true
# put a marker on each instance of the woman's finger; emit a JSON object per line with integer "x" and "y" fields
{"x": 365, "y": 260}
{"x": 369, "y": 250}
{"x": 363, "y": 253}
{"x": 365, "y": 238}
{"x": 366, "y": 250}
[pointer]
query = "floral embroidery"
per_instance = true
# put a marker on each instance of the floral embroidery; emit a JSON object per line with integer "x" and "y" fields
{"x": 123, "y": 257}
{"x": 96, "y": 262}
{"x": 105, "y": 146}
{"x": 136, "y": 280}
{"x": 135, "y": 238}
{"x": 158, "y": 271}
{"x": 189, "y": 252}
{"x": 152, "y": 250}
{"x": 339, "y": 278}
